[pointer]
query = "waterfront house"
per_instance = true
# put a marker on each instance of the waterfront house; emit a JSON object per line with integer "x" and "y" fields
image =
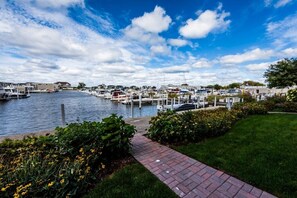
{"x": 63, "y": 85}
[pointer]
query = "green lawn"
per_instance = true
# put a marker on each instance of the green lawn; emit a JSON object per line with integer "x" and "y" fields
{"x": 260, "y": 150}
{"x": 131, "y": 181}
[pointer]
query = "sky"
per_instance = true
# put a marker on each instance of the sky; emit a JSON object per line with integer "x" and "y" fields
{"x": 148, "y": 42}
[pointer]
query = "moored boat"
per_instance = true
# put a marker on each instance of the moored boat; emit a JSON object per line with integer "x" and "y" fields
{"x": 13, "y": 93}
{"x": 3, "y": 95}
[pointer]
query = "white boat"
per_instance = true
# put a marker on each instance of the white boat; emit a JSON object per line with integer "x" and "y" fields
{"x": 13, "y": 93}
{"x": 101, "y": 93}
{"x": 107, "y": 95}
{"x": 3, "y": 95}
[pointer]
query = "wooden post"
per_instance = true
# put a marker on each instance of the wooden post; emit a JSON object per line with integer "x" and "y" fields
{"x": 132, "y": 112}
{"x": 63, "y": 114}
{"x": 139, "y": 98}
{"x": 215, "y": 102}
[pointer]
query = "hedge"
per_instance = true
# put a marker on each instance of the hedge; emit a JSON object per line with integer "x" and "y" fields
{"x": 193, "y": 126}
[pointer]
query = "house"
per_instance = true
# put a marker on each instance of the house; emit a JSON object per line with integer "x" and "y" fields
{"x": 63, "y": 85}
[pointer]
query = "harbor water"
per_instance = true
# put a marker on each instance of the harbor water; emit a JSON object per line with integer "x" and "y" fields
{"x": 42, "y": 111}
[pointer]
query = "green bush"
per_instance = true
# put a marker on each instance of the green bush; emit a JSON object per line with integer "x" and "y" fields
{"x": 65, "y": 164}
{"x": 112, "y": 135}
{"x": 247, "y": 97}
{"x": 287, "y": 107}
{"x": 191, "y": 126}
{"x": 251, "y": 108}
{"x": 277, "y": 99}
{"x": 280, "y": 103}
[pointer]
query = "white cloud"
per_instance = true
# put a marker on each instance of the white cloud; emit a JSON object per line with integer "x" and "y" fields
{"x": 281, "y": 3}
{"x": 283, "y": 31}
{"x": 174, "y": 69}
{"x": 160, "y": 49}
{"x": 155, "y": 22}
{"x": 119, "y": 69}
{"x": 256, "y": 54}
{"x": 289, "y": 52}
{"x": 259, "y": 66}
{"x": 108, "y": 55}
{"x": 145, "y": 30}
{"x": 178, "y": 42}
{"x": 202, "y": 63}
{"x": 140, "y": 35}
{"x": 57, "y": 4}
{"x": 207, "y": 22}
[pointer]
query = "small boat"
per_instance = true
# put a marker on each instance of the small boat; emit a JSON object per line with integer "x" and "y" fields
{"x": 3, "y": 95}
{"x": 101, "y": 93}
{"x": 118, "y": 95}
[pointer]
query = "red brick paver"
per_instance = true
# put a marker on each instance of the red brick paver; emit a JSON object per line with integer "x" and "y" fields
{"x": 188, "y": 177}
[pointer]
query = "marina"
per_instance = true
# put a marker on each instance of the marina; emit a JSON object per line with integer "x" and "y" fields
{"x": 39, "y": 107}
{"x": 43, "y": 111}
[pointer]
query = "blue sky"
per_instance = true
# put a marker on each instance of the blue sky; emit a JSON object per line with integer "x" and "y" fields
{"x": 152, "y": 42}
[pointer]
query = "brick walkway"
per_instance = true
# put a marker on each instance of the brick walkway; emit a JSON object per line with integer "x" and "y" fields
{"x": 188, "y": 177}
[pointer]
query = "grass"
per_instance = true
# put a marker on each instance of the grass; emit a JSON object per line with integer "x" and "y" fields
{"x": 260, "y": 150}
{"x": 131, "y": 181}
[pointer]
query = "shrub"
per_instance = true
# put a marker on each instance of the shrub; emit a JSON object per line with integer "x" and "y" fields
{"x": 251, "y": 108}
{"x": 247, "y": 97}
{"x": 279, "y": 103}
{"x": 287, "y": 107}
{"x": 64, "y": 164}
{"x": 191, "y": 126}
{"x": 276, "y": 99}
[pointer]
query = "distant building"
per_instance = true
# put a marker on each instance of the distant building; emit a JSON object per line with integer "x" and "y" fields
{"x": 63, "y": 85}
{"x": 46, "y": 86}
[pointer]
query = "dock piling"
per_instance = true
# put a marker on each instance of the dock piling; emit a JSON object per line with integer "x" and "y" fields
{"x": 63, "y": 114}
{"x": 140, "y": 97}
{"x": 132, "y": 112}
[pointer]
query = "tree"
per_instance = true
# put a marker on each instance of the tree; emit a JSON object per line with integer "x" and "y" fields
{"x": 282, "y": 74}
{"x": 217, "y": 87}
{"x": 234, "y": 85}
{"x": 252, "y": 83}
{"x": 81, "y": 85}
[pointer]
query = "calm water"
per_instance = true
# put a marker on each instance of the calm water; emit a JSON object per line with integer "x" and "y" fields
{"x": 43, "y": 111}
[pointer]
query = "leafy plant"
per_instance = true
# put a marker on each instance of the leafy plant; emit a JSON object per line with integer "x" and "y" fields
{"x": 251, "y": 108}
{"x": 191, "y": 126}
{"x": 65, "y": 164}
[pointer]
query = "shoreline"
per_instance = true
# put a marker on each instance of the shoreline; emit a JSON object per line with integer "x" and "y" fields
{"x": 20, "y": 136}
{"x": 141, "y": 125}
